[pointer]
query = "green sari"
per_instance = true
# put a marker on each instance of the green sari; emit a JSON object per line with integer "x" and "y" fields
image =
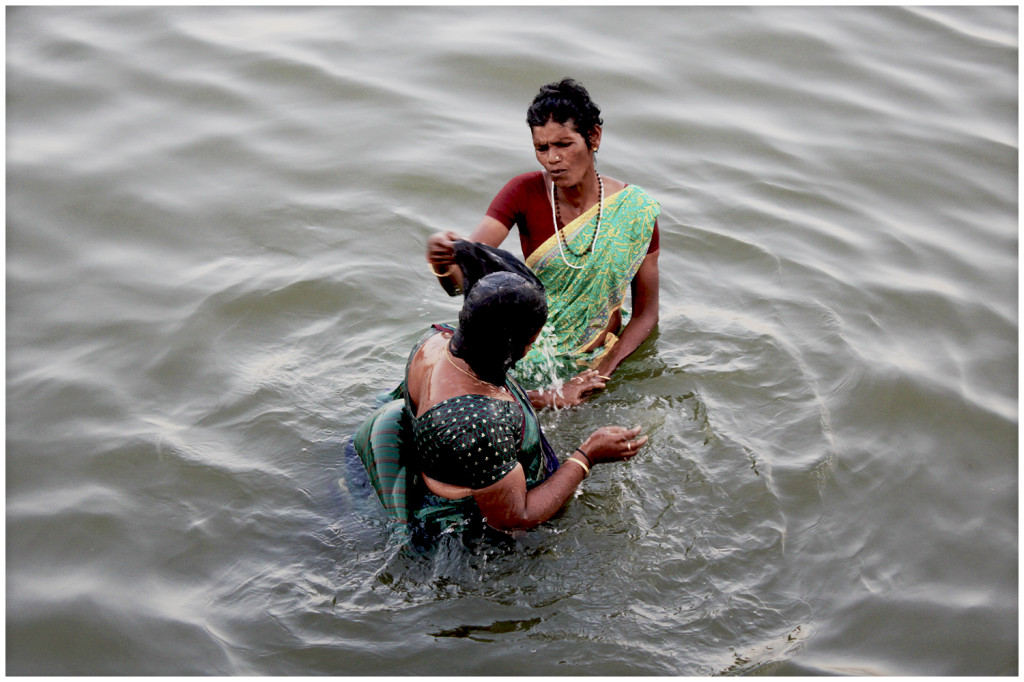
{"x": 386, "y": 446}
{"x": 581, "y": 302}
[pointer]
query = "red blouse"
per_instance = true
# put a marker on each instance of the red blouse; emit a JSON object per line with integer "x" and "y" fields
{"x": 524, "y": 202}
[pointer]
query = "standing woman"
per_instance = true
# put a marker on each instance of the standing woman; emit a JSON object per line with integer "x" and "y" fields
{"x": 587, "y": 237}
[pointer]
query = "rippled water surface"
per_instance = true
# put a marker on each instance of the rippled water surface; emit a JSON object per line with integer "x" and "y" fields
{"x": 215, "y": 230}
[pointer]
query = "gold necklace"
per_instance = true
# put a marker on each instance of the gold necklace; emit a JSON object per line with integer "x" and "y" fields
{"x": 448, "y": 354}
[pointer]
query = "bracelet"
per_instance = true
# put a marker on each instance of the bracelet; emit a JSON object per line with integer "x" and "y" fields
{"x": 585, "y": 467}
{"x": 440, "y": 274}
{"x": 585, "y": 456}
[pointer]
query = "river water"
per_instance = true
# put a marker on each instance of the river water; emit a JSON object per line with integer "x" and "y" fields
{"x": 215, "y": 230}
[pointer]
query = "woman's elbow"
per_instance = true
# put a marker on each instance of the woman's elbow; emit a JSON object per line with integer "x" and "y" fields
{"x": 512, "y": 522}
{"x": 648, "y": 318}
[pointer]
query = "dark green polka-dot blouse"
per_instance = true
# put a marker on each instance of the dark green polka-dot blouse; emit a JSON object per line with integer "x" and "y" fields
{"x": 469, "y": 440}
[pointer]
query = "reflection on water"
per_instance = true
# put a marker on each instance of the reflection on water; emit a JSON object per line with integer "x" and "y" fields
{"x": 215, "y": 226}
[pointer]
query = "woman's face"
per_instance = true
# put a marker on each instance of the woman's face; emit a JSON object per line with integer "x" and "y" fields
{"x": 563, "y": 152}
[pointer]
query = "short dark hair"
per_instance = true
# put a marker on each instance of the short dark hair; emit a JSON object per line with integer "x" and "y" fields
{"x": 565, "y": 102}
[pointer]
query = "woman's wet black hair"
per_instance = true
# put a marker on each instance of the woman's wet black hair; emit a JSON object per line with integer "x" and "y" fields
{"x": 566, "y": 102}
{"x": 503, "y": 310}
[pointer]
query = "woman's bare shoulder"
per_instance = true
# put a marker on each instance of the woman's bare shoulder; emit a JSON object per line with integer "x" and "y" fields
{"x": 612, "y": 185}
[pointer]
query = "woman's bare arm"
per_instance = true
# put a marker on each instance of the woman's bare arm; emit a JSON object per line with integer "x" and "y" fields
{"x": 645, "y": 315}
{"x": 507, "y": 505}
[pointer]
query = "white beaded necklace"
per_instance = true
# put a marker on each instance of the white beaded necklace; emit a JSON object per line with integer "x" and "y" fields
{"x": 597, "y": 230}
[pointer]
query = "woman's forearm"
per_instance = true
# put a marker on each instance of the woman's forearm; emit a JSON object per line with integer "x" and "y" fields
{"x": 645, "y": 315}
{"x": 507, "y": 505}
{"x": 545, "y": 500}
{"x": 636, "y": 332}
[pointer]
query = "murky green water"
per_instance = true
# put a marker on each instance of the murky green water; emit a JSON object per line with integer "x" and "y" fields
{"x": 215, "y": 229}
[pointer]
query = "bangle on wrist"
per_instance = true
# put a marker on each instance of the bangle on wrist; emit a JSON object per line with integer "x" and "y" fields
{"x": 586, "y": 469}
{"x": 447, "y": 270}
{"x": 590, "y": 463}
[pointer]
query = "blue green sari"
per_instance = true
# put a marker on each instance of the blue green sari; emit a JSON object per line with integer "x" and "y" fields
{"x": 581, "y": 302}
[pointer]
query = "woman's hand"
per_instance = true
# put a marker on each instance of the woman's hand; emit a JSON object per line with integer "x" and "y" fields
{"x": 613, "y": 443}
{"x": 441, "y": 250}
{"x": 441, "y": 258}
{"x": 572, "y": 392}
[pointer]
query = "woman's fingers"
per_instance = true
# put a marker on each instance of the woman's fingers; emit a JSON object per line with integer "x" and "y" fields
{"x": 590, "y": 379}
{"x": 632, "y": 444}
{"x": 581, "y": 385}
{"x": 440, "y": 248}
{"x": 627, "y": 433}
{"x": 440, "y": 251}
